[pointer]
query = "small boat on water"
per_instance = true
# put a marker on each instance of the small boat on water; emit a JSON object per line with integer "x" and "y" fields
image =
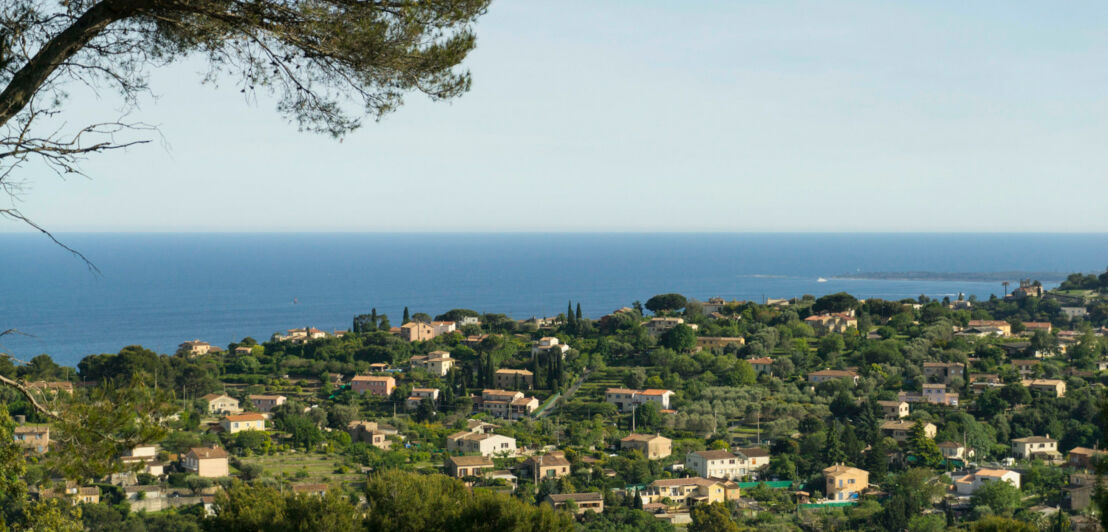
{"x": 821, "y": 280}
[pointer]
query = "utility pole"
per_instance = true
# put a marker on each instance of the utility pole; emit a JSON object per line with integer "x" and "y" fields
{"x": 632, "y": 418}
{"x": 758, "y": 421}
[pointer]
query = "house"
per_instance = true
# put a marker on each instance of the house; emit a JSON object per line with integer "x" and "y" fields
{"x": 244, "y": 350}
{"x": 652, "y": 446}
{"x": 893, "y": 409}
{"x": 443, "y": 327}
{"x": 266, "y": 403}
{"x": 1002, "y": 328}
{"x": 221, "y": 403}
{"x": 197, "y": 348}
{"x": 687, "y": 492}
{"x": 316, "y": 490}
{"x": 87, "y": 495}
{"x": 709, "y": 342}
{"x": 142, "y": 457}
{"x": 379, "y": 386}
{"x": 968, "y": 484}
{"x": 717, "y": 304}
{"x": 935, "y": 394}
{"x": 1085, "y": 458}
{"x": 236, "y": 423}
{"x": 980, "y": 382}
{"x": 584, "y": 502}
{"x": 952, "y": 451}
{"x": 485, "y": 444}
{"x": 301, "y": 335}
{"x": 1030, "y": 447}
{"x": 716, "y": 464}
{"x": 845, "y": 483}
{"x": 1035, "y": 326}
{"x": 35, "y": 438}
{"x": 658, "y": 326}
{"x": 942, "y": 372}
{"x": 1073, "y": 313}
{"x": 506, "y": 404}
{"x": 756, "y": 457}
{"x": 762, "y": 365}
{"x": 514, "y": 379}
{"x": 368, "y": 432}
{"x": 208, "y": 461}
{"x": 437, "y": 363}
{"x": 417, "y": 331}
{"x": 825, "y": 375}
{"x": 543, "y": 466}
{"x": 899, "y": 430}
{"x": 1079, "y": 493}
{"x": 468, "y": 466}
{"x": 418, "y": 394}
{"x": 626, "y": 399}
{"x": 548, "y": 344}
{"x": 1027, "y": 288}
{"x": 831, "y": 323}
{"x": 1054, "y": 387}
{"x": 1026, "y": 368}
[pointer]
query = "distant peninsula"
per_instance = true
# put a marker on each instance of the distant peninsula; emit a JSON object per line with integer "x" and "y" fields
{"x": 954, "y": 276}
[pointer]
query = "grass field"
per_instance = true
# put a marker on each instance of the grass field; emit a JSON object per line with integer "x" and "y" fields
{"x": 318, "y": 468}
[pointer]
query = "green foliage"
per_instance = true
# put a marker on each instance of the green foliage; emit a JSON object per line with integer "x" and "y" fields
{"x": 839, "y": 302}
{"x": 1001, "y": 524}
{"x": 714, "y": 517}
{"x": 251, "y": 507}
{"x": 400, "y": 501}
{"x": 679, "y": 338}
{"x": 1001, "y": 497}
{"x": 665, "y": 302}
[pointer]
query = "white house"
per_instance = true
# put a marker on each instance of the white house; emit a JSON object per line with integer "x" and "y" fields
{"x": 717, "y": 464}
{"x": 968, "y": 484}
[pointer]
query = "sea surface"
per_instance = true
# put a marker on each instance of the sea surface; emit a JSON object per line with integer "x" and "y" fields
{"x": 158, "y": 290}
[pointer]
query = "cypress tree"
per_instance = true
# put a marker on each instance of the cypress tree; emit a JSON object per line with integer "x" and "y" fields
{"x": 407, "y": 317}
{"x": 570, "y": 319}
{"x": 578, "y": 311}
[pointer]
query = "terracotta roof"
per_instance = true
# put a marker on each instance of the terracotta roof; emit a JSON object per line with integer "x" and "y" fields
{"x": 833, "y": 373}
{"x": 950, "y": 445}
{"x": 245, "y": 417}
{"x": 205, "y": 453}
{"x": 620, "y": 390}
{"x": 549, "y": 460}
{"x": 763, "y": 360}
{"x": 212, "y": 396}
{"x": 371, "y": 378}
{"x": 1035, "y": 439}
{"x": 31, "y": 429}
{"x": 714, "y": 455}
{"x": 753, "y": 452}
{"x": 576, "y": 497}
{"x": 696, "y": 481}
{"x": 467, "y": 461}
{"x": 991, "y": 472}
{"x": 842, "y": 470}
{"x": 655, "y": 392}
{"x": 642, "y": 437}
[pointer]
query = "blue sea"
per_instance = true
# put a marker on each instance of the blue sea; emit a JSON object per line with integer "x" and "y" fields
{"x": 158, "y": 290}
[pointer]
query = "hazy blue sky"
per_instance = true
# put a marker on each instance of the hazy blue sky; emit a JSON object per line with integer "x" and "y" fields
{"x": 648, "y": 115}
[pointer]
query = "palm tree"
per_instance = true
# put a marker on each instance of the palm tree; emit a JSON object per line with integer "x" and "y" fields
{"x": 1005, "y": 283}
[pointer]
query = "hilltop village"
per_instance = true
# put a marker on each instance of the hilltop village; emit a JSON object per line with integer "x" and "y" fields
{"x": 828, "y": 413}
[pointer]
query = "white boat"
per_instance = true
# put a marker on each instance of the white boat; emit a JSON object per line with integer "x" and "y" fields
{"x": 821, "y": 280}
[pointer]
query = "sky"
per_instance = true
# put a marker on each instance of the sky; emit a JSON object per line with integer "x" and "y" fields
{"x": 643, "y": 115}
